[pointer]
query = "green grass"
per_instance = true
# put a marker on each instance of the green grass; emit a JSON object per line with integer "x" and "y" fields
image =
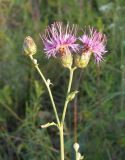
{"x": 24, "y": 102}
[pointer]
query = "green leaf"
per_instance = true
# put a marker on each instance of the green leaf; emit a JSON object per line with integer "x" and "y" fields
{"x": 38, "y": 88}
{"x": 48, "y": 125}
{"x": 71, "y": 96}
{"x": 120, "y": 115}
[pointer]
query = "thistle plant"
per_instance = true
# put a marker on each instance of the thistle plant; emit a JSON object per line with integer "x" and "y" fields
{"x": 60, "y": 41}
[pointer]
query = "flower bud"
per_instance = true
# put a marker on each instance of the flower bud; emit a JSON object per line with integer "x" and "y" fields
{"x": 66, "y": 58}
{"x": 66, "y": 61}
{"x": 29, "y": 46}
{"x": 76, "y": 147}
{"x": 81, "y": 61}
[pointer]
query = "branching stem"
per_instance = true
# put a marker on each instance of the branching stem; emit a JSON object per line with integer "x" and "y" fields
{"x": 60, "y": 125}
{"x": 48, "y": 88}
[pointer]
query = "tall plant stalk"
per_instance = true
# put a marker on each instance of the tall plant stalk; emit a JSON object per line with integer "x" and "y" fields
{"x": 64, "y": 114}
{"x": 60, "y": 41}
{"x": 60, "y": 124}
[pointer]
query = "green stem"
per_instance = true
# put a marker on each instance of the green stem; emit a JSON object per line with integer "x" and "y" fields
{"x": 11, "y": 111}
{"x": 68, "y": 91}
{"x": 60, "y": 124}
{"x": 63, "y": 115}
{"x": 48, "y": 88}
{"x": 76, "y": 156}
{"x": 61, "y": 141}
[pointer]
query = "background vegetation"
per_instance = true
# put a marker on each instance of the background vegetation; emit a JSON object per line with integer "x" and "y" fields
{"x": 24, "y": 102}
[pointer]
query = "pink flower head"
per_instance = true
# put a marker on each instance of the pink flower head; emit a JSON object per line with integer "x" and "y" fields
{"x": 59, "y": 38}
{"x": 94, "y": 42}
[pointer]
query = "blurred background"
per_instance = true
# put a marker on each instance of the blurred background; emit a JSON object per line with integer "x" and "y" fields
{"x": 99, "y": 125}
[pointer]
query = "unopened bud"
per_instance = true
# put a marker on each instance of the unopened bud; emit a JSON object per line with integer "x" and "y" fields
{"x": 71, "y": 95}
{"x": 29, "y": 46}
{"x": 81, "y": 61}
{"x": 76, "y": 147}
{"x": 67, "y": 61}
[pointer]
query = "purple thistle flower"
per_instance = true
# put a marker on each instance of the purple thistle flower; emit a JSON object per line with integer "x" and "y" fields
{"x": 94, "y": 42}
{"x": 58, "y": 39}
